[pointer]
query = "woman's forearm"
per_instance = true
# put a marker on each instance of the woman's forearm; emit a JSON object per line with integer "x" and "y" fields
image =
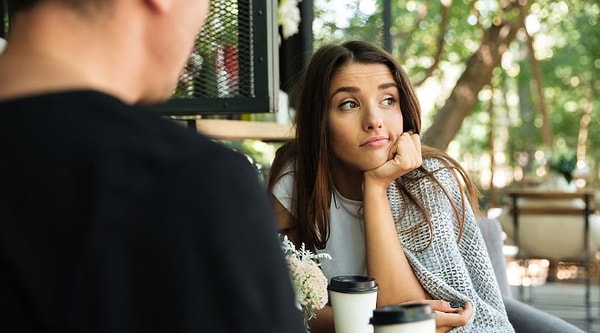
{"x": 386, "y": 261}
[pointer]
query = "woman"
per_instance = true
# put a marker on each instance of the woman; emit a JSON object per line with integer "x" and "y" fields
{"x": 356, "y": 183}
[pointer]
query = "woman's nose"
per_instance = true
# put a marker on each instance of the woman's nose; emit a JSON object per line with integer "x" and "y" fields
{"x": 372, "y": 119}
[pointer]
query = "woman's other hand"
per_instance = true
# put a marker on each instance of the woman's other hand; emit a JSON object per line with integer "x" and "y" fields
{"x": 448, "y": 317}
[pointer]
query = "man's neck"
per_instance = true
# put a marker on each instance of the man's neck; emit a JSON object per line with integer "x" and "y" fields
{"x": 47, "y": 56}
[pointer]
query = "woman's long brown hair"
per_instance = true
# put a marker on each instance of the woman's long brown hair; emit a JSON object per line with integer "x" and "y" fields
{"x": 311, "y": 152}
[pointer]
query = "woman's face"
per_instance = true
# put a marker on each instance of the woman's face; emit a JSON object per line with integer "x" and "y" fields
{"x": 364, "y": 115}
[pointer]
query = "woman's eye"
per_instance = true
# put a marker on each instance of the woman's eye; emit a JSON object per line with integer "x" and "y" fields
{"x": 348, "y": 105}
{"x": 389, "y": 101}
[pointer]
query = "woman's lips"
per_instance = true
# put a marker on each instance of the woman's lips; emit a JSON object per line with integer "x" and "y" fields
{"x": 375, "y": 142}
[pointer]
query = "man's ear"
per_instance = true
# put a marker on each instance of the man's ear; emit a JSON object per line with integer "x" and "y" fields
{"x": 160, "y": 6}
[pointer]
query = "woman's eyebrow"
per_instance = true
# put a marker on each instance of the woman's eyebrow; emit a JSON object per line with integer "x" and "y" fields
{"x": 345, "y": 89}
{"x": 352, "y": 89}
{"x": 387, "y": 85}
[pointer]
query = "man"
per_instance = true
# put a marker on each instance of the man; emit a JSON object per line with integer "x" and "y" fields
{"x": 113, "y": 219}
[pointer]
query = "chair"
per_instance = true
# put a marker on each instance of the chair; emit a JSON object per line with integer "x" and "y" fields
{"x": 558, "y": 226}
{"x": 523, "y": 317}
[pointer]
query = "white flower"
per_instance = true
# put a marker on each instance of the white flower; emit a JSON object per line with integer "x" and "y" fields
{"x": 310, "y": 284}
{"x": 288, "y": 16}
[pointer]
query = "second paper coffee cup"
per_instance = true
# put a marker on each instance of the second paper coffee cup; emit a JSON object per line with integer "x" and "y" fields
{"x": 405, "y": 318}
{"x": 353, "y": 299}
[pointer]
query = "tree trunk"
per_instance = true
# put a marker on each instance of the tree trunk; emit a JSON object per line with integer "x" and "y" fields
{"x": 586, "y": 119}
{"x": 477, "y": 75}
{"x": 547, "y": 136}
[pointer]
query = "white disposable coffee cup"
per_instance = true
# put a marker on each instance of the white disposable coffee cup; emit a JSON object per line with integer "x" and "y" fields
{"x": 353, "y": 299}
{"x": 405, "y": 318}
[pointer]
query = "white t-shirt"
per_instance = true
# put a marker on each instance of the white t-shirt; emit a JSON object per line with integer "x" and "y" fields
{"x": 346, "y": 243}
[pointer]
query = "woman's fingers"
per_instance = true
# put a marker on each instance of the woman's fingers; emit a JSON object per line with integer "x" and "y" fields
{"x": 449, "y": 315}
{"x": 416, "y": 138}
{"x": 405, "y": 156}
{"x": 407, "y": 152}
{"x": 455, "y": 317}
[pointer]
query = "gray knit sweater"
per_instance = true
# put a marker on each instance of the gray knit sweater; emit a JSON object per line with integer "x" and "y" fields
{"x": 448, "y": 270}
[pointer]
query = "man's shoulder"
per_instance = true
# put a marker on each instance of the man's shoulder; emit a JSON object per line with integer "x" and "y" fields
{"x": 100, "y": 126}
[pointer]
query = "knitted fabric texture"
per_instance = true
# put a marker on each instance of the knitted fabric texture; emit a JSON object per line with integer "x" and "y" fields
{"x": 449, "y": 269}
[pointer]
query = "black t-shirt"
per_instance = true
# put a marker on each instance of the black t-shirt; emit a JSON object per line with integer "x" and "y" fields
{"x": 113, "y": 219}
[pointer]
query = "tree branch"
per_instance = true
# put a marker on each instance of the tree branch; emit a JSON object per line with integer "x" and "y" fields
{"x": 477, "y": 75}
{"x": 440, "y": 42}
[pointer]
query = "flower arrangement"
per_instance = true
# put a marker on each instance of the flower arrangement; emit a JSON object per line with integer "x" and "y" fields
{"x": 310, "y": 284}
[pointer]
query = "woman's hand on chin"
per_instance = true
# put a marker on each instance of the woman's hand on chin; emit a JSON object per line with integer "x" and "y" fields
{"x": 405, "y": 156}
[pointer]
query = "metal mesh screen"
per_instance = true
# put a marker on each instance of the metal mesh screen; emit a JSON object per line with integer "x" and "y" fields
{"x": 234, "y": 66}
{"x": 221, "y": 64}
